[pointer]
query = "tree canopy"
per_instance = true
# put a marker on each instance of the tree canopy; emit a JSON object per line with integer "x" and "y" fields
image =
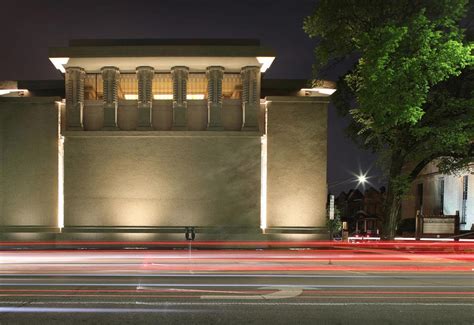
{"x": 410, "y": 90}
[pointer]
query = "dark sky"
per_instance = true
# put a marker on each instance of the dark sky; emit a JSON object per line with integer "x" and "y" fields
{"x": 30, "y": 27}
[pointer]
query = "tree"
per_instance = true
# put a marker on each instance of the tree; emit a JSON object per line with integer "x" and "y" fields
{"x": 410, "y": 89}
{"x": 334, "y": 225}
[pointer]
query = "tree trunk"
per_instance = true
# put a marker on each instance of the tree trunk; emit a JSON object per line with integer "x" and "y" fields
{"x": 392, "y": 215}
{"x": 393, "y": 198}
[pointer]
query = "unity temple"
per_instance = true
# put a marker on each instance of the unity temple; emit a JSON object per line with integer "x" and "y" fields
{"x": 153, "y": 137}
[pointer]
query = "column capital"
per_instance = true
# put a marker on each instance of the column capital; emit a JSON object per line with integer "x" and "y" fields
{"x": 75, "y": 77}
{"x": 179, "y": 68}
{"x": 75, "y": 69}
{"x": 110, "y": 77}
{"x": 214, "y": 74}
{"x": 180, "y": 82}
{"x": 250, "y": 96}
{"x": 109, "y": 69}
{"x": 145, "y": 67}
{"x": 215, "y": 68}
{"x": 145, "y": 76}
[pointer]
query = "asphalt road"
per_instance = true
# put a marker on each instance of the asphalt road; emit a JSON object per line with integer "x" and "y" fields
{"x": 332, "y": 286}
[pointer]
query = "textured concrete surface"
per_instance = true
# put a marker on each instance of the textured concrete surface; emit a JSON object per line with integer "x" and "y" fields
{"x": 297, "y": 159}
{"x": 28, "y": 161}
{"x": 162, "y": 180}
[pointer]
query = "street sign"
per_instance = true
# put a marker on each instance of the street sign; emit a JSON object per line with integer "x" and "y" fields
{"x": 331, "y": 207}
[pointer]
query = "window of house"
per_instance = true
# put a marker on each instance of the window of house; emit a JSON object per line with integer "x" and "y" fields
{"x": 441, "y": 195}
{"x": 419, "y": 198}
{"x": 465, "y": 185}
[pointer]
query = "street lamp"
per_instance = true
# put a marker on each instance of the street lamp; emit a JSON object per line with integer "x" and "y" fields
{"x": 362, "y": 179}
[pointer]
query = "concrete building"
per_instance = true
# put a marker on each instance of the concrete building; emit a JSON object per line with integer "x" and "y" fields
{"x": 433, "y": 193}
{"x": 154, "y": 136}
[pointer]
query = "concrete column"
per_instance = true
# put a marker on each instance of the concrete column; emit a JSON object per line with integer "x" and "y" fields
{"x": 296, "y": 161}
{"x": 74, "y": 97}
{"x": 110, "y": 77}
{"x": 214, "y": 74}
{"x": 180, "y": 81}
{"x": 145, "y": 95}
{"x": 250, "y": 97}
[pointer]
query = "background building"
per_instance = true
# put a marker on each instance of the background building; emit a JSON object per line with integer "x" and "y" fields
{"x": 154, "y": 136}
{"x": 433, "y": 193}
{"x": 362, "y": 210}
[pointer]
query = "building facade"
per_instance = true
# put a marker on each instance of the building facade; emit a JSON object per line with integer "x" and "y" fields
{"x": 358, "y": 208}
{"x": 154, "y": 137}
{"x": 434, "y": 193}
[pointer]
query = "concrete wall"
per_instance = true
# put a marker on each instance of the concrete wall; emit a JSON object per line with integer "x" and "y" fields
{"x": 297, "y": 159}
{"x": 28, "y": 161}
{"x": 162, "y": 178}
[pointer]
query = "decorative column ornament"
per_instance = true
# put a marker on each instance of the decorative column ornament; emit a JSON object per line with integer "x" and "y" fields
{"x": 74, "y": 97}
{"x": 145, "y": 76}
{"x": 110, "y": 77}
{"x": 180, "y": 81}
{"x": 214, "y": 74}
{"x": 250, "y": 97}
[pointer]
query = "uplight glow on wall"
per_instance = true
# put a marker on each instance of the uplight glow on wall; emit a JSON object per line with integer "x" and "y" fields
{"x": 170, "y": 96}
{"x": 9, "y": 91}
{"x": 320, "y": 91}
{"x": 60, "y": 170}
{"x": 263, "y": 175}
{"x": 263, "y": 185}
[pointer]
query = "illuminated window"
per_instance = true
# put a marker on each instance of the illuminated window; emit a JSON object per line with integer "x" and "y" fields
{"x": 128, "y": 88}
{"x": 162, "y": 86}
{"x": 93, "y": 87}
{"x": 232, "y": 86}
{"x": 197, "y": 86}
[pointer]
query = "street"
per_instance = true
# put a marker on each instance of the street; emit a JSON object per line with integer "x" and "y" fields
{"x": 349, "y": 284}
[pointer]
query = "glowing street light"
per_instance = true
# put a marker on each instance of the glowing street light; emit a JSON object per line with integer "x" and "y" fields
{"x": 362, "y": 179}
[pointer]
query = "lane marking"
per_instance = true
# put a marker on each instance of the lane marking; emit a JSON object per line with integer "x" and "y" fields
{"x": 281, "y": 293}
{"x": 253, "y": 303}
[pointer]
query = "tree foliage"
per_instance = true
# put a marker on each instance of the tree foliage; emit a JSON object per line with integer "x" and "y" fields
{"x": 410, "y": 90}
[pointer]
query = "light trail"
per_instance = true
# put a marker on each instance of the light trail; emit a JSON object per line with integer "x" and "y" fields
{"x": 230, "y": 285}
{"x": 232, "y": 292}
{"x": 432, "y": 243}
{"x": 237, "y": 275}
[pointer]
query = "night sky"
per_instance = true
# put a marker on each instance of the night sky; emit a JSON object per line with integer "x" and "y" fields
{"x": 30, "y": 27}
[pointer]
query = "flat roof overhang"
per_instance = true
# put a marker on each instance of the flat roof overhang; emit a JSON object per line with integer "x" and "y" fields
{"x": 162, "y": 57}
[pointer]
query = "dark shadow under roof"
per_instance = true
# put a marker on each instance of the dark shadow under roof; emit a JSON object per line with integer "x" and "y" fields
{"x": 165, "y": 42}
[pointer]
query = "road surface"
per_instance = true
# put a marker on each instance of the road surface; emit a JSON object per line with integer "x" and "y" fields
{"x": 353, "y": 284}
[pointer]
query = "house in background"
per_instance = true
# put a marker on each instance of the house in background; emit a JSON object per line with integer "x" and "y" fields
{"x": 362, "y": 211}
{"x": 433, "y": 193}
